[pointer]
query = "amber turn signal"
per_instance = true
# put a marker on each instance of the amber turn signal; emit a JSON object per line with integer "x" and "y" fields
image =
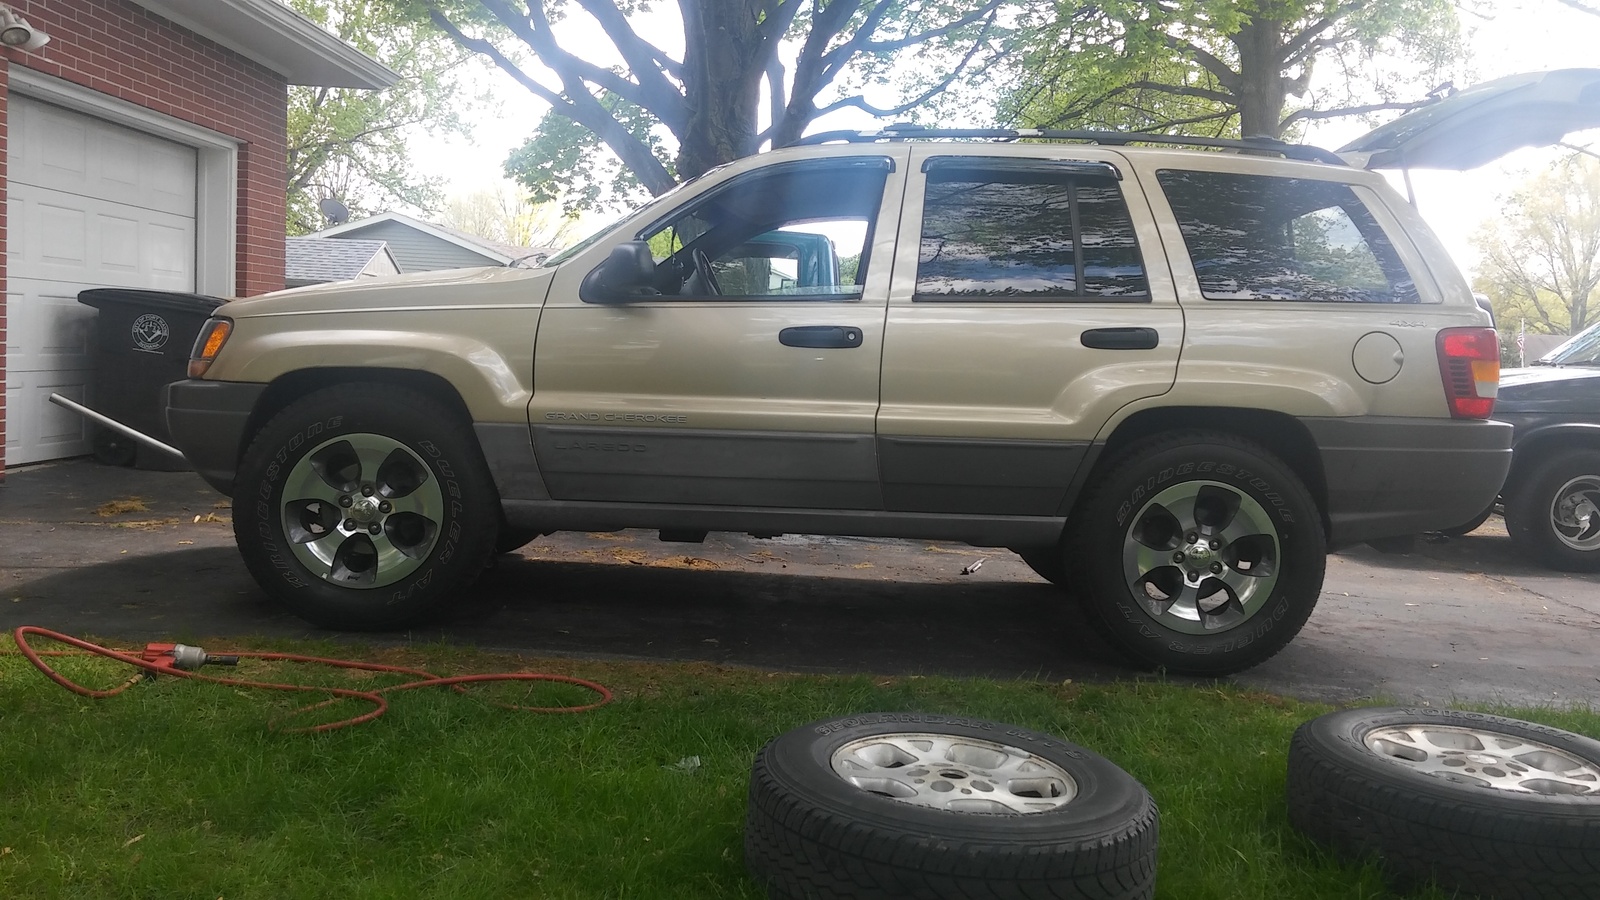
{"x": 208, "y": 345}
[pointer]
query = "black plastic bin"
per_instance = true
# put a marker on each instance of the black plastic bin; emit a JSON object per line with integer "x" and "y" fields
{"x": 142, "y": 341}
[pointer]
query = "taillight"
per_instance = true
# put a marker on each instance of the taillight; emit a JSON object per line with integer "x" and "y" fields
{"x": 1469, "y": 362}
{"x": 208, "y": 345}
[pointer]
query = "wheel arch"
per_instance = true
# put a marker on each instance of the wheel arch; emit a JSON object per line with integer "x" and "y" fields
{"x": 1282, "y": 434}
{"x": 1538, "y": 445}
{"x": 291, "y": 386}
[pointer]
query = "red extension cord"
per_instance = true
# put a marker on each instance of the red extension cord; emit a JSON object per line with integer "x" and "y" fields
{"x": 157, "y": 659}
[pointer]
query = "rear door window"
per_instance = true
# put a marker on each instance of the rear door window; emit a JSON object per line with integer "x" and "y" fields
{"x": 1002, "y": 231}
{"x": 1265, "y": 237}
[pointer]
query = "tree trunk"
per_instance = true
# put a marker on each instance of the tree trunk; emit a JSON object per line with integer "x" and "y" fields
{"x": 1263, "y": 89}
{"x": 722, "y": 67}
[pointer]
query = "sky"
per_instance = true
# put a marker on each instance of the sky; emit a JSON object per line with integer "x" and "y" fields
{"x": 1511, "y": 36}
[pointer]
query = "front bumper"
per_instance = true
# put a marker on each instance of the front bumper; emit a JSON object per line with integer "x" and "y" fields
{"x": 207, "y": 420}
{"x": 1391, "y": 476}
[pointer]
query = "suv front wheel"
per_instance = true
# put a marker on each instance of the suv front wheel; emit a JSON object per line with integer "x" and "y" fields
{"x": 1202, "y": 553}
{"x": 362, "y": 506}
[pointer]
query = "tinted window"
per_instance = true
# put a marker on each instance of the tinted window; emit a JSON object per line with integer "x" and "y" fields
{"x": 1026, "y": 234}
{"x": 791, "y": 231}
{"x": 1260, "y": 237}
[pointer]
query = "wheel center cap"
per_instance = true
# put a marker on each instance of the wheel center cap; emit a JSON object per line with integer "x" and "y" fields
{"x": 1199, "y": 554}
{"x": 364, "y": 510}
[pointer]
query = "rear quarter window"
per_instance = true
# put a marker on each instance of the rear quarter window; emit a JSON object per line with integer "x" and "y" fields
{"x": 1267, "y": 237}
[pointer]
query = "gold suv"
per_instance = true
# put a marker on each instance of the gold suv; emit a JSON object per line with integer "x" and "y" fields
{"x": 1171, "y": 379}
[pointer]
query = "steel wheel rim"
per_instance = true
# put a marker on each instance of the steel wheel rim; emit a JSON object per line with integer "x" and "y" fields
{"x": 1575, "y": 513}
{"x": 1201, "y": 557}
{"x": 1487, "y": 759}
{"x": 955, "y": 774}
{"x": 361, "y": 511}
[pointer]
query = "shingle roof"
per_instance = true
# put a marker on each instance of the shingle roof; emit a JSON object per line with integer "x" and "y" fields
{"x": 317, "y": 260}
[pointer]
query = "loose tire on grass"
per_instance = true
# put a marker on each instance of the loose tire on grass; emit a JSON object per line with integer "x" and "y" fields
{"x": 904, "y": 805}
{"x": 1486, "y": 805}
{"x": 1199, "y": 552}
{"x": 363, "y": 506}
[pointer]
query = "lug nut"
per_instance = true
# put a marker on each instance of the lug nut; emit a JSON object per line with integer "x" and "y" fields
{"x": 1216, "y": 568}
{"x": 374, "y": 528}
{"x": 1191, "y": 537}
{"x": 345, "y": 501}
{"x": 385, "y": 507}
{"x": 349, "y": 524}
{"x": 366, "y": 491}
{"x": 1177, "y": 557}
{"x": 1215, "y": 543}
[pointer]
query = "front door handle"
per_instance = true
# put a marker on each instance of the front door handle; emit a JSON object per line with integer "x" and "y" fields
{"x": 1121, "y": 338}
{"x": 844, "y": 336}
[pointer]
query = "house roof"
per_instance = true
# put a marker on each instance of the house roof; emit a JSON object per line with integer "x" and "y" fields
{"x": 272, "y": 34}
{"x": 502, "y": 253}
{"x": 319, "y": 260}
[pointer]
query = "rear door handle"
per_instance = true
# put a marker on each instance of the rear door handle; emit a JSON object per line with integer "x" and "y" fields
{"x": 1121, "y": 338}
{"x": 844, "y": 336}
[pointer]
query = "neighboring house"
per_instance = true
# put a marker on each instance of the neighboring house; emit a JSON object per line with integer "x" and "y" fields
{"x": 420, "y": 246}
{"x": 142, "y": 146}
{"x": 310, "y": 260}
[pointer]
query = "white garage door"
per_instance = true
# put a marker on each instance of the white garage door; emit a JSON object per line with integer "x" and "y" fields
{"x": 89, "y": 204}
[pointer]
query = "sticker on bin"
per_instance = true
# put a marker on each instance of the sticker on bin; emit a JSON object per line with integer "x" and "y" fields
{"x": 150, "y": 332}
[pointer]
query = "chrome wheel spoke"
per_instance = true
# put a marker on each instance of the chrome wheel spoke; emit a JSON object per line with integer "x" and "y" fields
{"x": 1575, "y": 513}
{"x": 1201, "y": 557}
{"x": 1486, "y": 759}
{"x": 954, "y": 773}
{"x": 362, "y": 510}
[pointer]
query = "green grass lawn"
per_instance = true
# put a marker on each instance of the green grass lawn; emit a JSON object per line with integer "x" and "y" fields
{"x": 177, "y": 789}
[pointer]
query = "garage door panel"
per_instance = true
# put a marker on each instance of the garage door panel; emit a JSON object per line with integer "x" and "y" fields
{"x": 74, "y": 154}
{"x": 78, "y": 239}
{"x": 38, "y": 429}
{"x": 48, "y": 329}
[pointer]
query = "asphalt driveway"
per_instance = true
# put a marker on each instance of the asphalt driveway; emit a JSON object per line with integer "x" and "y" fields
{"x": 136, "y": 556}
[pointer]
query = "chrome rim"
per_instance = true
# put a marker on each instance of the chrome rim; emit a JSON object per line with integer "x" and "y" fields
{"x": 1485, "y": 759}
{"x": 959, "y": 774}
{"x": 1575, "y": 513}
{"x": 1201, "y": 557}
{"x": 361, "y": 510}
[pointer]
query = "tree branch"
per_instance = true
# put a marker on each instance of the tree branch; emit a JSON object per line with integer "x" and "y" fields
{"x": 1303, "y": 114}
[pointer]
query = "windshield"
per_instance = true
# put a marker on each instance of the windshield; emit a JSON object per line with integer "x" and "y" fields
{"x": 600, "y": 235}
{"x": 1582, "y": 350}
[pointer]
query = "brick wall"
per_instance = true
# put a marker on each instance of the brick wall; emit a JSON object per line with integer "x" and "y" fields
{"x": 120, "y": 49}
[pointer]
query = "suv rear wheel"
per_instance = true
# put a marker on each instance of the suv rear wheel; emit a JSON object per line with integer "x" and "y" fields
{"x": 1201, "y": 552}
{"x": 363, "y": 505}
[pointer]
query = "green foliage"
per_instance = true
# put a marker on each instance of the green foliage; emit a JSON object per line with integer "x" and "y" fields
{"x": 564, "y": 161}
{"x": 1216, "y": 67}
{"x": 352, "y": 144}
{"x": 177, "y": 788}
{"x": 1540, "y": 257}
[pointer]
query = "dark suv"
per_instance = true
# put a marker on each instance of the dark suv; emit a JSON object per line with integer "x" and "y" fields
{"x": 1552, "y": 496}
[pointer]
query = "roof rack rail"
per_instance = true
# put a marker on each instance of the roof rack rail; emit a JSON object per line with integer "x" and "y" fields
{"x": 1113, "y": 138}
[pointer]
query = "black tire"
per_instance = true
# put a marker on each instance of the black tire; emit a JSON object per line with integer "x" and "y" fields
{"x": 1253, "y": 553}
{"x": 1349, "y": 789}
{"x": 811, "y": 834}
{"x": 433, "y": 539}
{"x": 1553, "y": 511}
{"x": 1046, "y": 562}
{"x": 1467, "y": 528}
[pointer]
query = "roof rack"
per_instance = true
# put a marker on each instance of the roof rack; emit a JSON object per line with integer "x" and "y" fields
{"x": 1113, "y": 138}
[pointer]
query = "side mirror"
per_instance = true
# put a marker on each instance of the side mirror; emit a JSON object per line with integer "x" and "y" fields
{"x": 628, "y": 273}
